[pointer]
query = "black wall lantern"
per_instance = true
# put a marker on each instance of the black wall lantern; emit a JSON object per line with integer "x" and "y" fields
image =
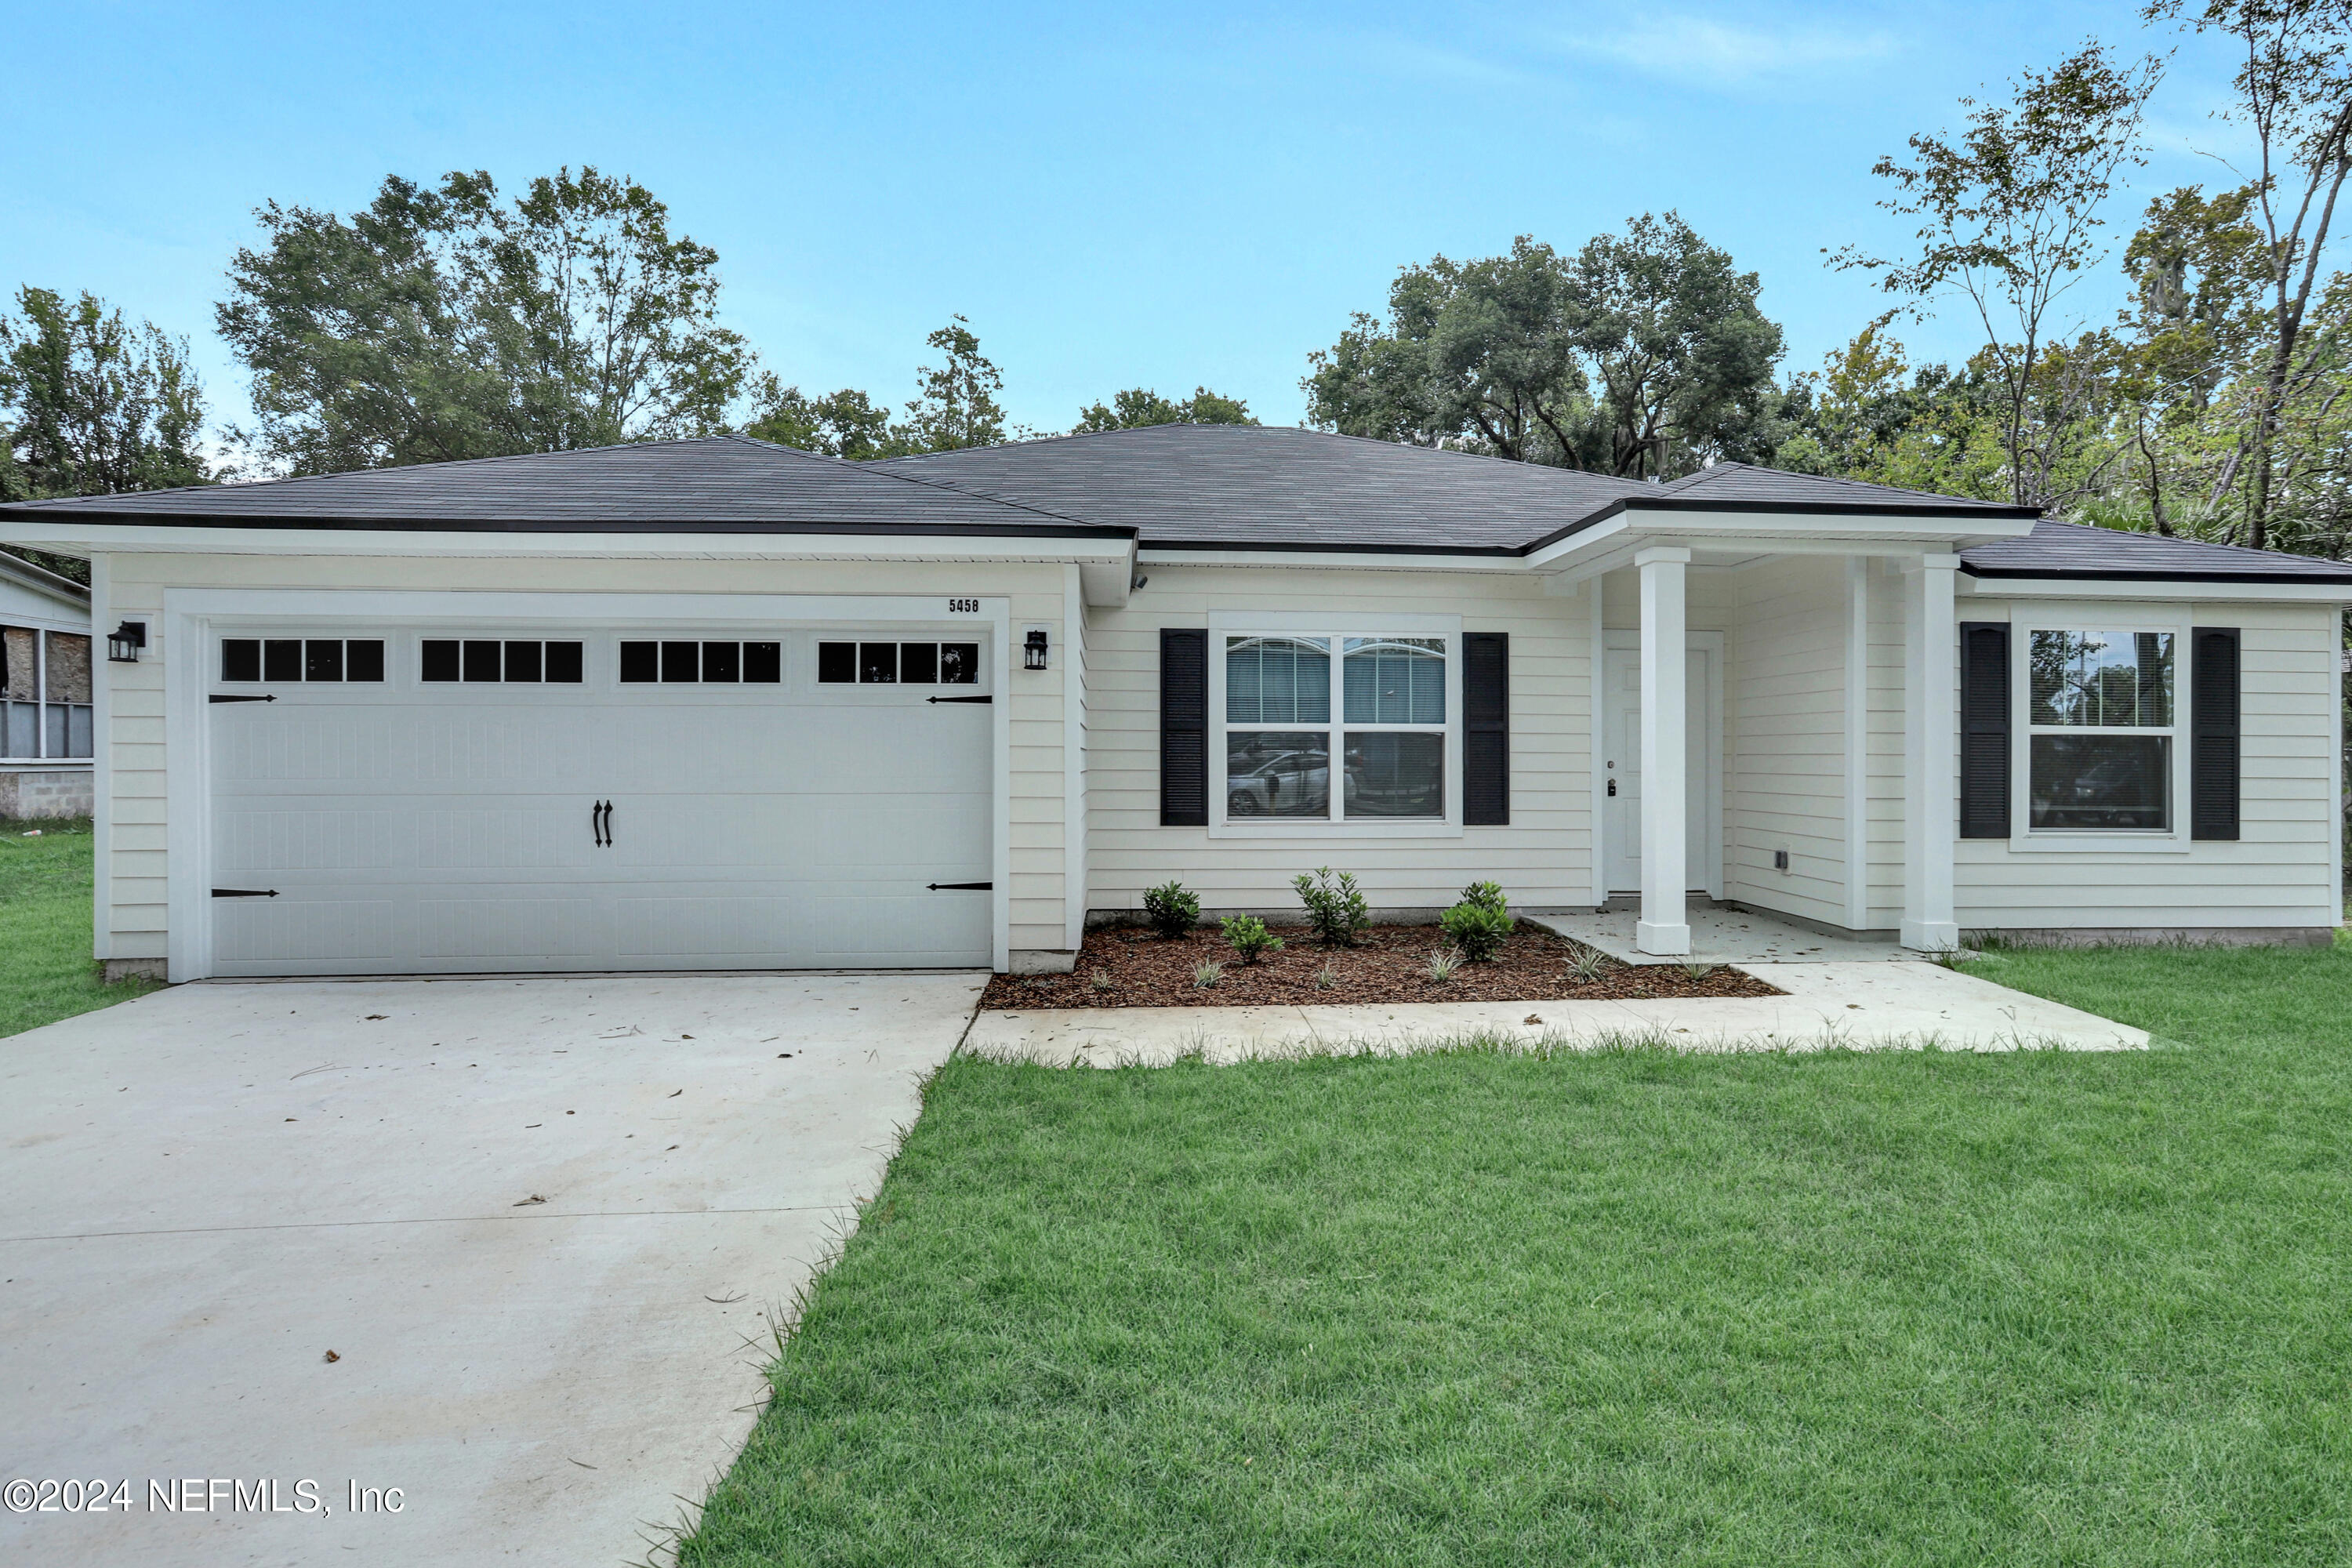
{"x": 123, "y": 644}
{"x": 1033, "y": 650}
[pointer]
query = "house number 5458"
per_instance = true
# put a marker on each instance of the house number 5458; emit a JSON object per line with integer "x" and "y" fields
{"x": 963, "y": 606}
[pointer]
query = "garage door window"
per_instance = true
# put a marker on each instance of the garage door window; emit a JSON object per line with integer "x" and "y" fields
{"x": 302, "y": 659}
{"x": 680, "y": 662}
{"x": 483, "y": 660}
{"x": 897, "y": 664}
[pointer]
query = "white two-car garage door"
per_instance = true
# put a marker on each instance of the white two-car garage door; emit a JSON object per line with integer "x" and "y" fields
{"x": 390, "y": 801}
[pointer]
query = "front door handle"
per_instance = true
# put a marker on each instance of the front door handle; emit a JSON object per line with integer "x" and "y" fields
{"x": 608, "y": 824}
{"x": 600, "y": 824}
{"x": 1612, "y": 789}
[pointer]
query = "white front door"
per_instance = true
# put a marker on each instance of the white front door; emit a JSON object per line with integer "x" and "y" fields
{"x": 1622, "y": 757}
{"x": 427, "y": 823}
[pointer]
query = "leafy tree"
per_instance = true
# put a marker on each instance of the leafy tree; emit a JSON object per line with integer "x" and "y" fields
{"x": 1644, "y": 355}
{"x": 844, "y": 423}
{"x": 2008, "y": 219}
{"x": 958, "y": 407}
{"x": 1477, "y": 353}
{"x": 1680, "y": 355}
{"x": 2295, "y": 94}
{"x": 1869, "y": 414}
{"x": 439, "y": 324}
{"x": 90, "y": 405}
{"x": 1139, "y": 407}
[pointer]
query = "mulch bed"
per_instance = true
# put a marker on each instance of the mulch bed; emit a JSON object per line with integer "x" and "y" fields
{"x": 1390, "y": 963}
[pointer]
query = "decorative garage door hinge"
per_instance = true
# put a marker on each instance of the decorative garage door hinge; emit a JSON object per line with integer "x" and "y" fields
{"x": 961, "y": 887}
{"x": 985, "y": 698}
{"x": 240, "y": 697}
{"x": 245, "y": 892}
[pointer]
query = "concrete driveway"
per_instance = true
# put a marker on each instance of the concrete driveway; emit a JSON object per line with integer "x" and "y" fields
{"x": 508, "y": 1246}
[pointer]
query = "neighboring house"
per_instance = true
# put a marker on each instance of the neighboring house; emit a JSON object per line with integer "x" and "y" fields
{"x": 718, "y": 704}
{"x": 45, "y": 707}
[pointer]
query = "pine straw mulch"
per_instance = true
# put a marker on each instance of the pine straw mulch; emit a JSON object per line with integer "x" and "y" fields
{"x": 1390, "y": 963}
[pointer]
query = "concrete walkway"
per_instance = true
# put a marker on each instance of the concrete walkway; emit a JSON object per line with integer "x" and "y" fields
{"x": 1721, "y": 935}
{"x": 542, "y": 1225}
{"x": 1870, "y": 1004}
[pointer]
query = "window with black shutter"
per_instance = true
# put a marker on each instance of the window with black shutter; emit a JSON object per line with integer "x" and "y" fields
{"x": 1486, "y": 729}
{"x": 1984, "y": 729}
{"x": 2213, "y": 749}
{"x": 1184, "y": 728}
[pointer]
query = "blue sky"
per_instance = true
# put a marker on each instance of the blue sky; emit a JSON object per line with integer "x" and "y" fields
{"x": 1158, "y": 196}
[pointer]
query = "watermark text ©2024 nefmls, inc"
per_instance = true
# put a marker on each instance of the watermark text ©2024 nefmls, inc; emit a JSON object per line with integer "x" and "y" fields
{"x": 200, "y": 1494}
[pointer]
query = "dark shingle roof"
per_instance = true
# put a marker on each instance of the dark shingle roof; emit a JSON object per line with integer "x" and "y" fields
{"x": 2073, "y": 549}
{"x": 1269, "y": 486}
{"x": 1204, "y": 485}
{"x": 1746, "y": 482}
{"x": 721, "y": 484}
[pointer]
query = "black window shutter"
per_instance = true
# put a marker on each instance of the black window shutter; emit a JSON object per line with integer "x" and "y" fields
{"x": 1984, "y": 729}
{"x": 2213, "y": 732}
{"x": 1487, "y": 729}
{"x": 1184, "y": 728}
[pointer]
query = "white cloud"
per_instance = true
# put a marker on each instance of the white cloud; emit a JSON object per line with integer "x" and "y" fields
{"x": 1698, "y": 50}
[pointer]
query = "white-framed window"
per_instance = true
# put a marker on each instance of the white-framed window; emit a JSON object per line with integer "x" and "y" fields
{"x": 2101, "y": 704}
{"x": 1348, "y": 726}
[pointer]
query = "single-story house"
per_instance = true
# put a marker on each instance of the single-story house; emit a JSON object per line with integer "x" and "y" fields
{"x": 721, "y": 704}
{"x": 45, "y": 707}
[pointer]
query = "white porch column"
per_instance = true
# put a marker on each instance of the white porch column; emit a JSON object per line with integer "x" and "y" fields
{"x": 1931, "y": 751}
{"x": 1664, "y": 926}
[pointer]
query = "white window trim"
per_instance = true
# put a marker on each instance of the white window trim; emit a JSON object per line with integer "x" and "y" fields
{"x": 2140, "y": 617}
{"x": 1229, "y": 624}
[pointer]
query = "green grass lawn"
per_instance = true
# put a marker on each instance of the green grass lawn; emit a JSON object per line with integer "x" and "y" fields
{"x": 45, "y": 971}
{"x": 1629, "y": 1308}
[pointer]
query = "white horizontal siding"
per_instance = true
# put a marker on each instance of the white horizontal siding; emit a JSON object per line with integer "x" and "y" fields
{"x": 1542, "y": 858}
{"x": 1784, "y": 705}
{"x": 2279, "y": 872}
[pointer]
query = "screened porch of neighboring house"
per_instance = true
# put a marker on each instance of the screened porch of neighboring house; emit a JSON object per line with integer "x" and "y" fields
{"x": 45, "y": 697}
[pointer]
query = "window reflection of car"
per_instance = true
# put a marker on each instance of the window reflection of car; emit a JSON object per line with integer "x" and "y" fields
{"x": 2116, "y": 781}
{"x": 1286, "y": 783}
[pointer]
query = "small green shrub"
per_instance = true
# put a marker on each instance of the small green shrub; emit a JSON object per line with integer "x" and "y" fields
{"x": 1587, "y": 965}
{"x": 1328, "y": 977}
{"x": 1172, "y": 908}
{"x": 1207, "y": 974}
{"x": 1336, "y": 908}
{"x": 1485, "y": 895}
{"x": 1697, "y": 971}
{"x": 1479, "y": 930}
{"x": 1249, "y": 937}
{"x": 1442, "y": 965}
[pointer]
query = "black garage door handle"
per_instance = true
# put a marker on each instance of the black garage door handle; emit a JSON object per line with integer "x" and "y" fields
{"x": 239, "y": 696}
{"x": 959, "y": 886}
{"x": 245, "y": 892}
{"x": 986, "y": 699}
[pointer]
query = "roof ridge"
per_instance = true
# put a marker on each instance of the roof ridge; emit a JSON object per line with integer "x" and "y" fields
{"x": 1517, "y": 463}
{"x": 440, "y": 463}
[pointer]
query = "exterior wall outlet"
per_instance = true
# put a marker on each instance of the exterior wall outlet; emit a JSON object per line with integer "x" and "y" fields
{"x": 1779, "y": 859}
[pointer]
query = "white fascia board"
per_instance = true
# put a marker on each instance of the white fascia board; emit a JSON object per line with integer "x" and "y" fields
{"x": 1769, "y": 533}
{"x": 2204, "y": 593}
{"x": 131, "y": 538}
{"x": 1351, "y": 560}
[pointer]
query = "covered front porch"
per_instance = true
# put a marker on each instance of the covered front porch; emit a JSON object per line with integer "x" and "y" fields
{"x": 1774, "y": 715}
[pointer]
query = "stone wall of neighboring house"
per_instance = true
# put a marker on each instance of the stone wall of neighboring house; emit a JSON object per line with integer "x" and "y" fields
{"x": 34, "y": 794}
